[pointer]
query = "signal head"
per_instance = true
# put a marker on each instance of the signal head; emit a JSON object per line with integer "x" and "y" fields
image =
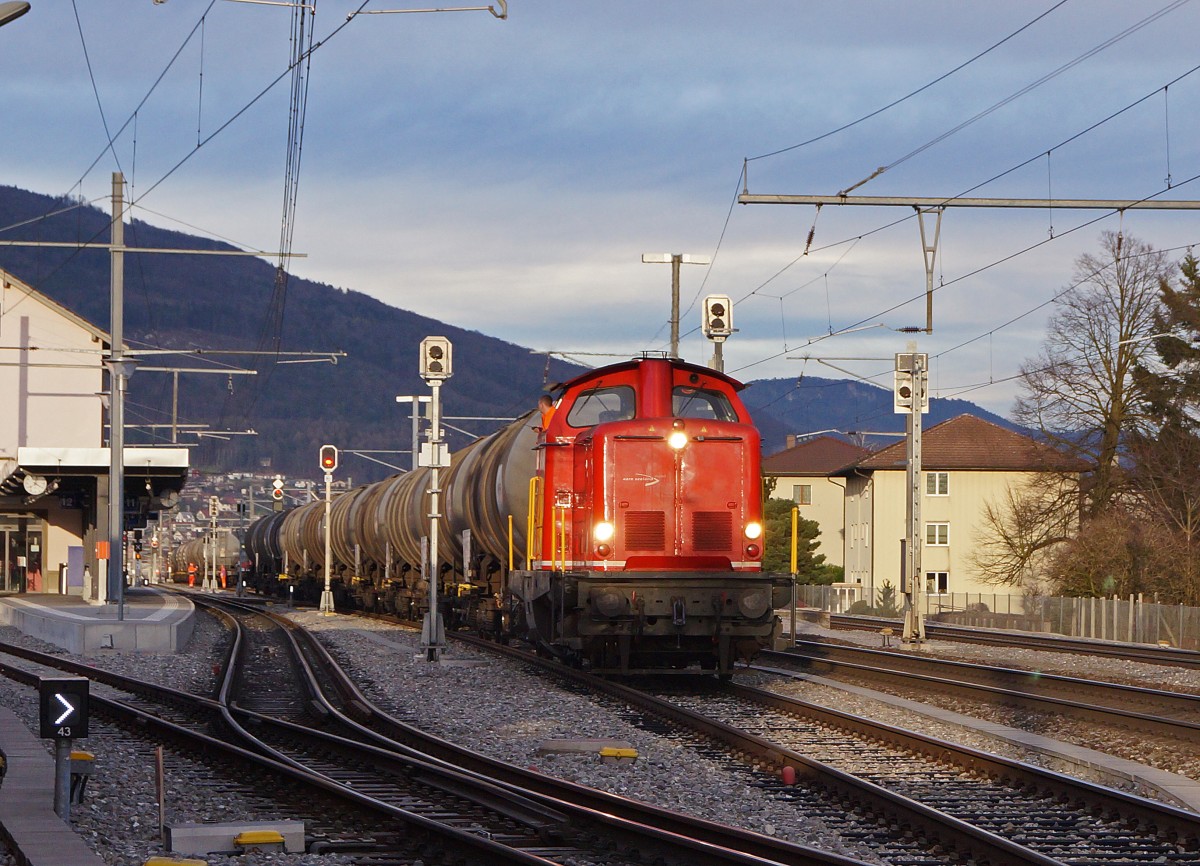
{"x": 718, "y": 317}
{"x": 436, "y": 357}
{"x": 329, "y": 458}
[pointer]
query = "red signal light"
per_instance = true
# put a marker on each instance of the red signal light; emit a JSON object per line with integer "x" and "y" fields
{"x": 329, "y": 458}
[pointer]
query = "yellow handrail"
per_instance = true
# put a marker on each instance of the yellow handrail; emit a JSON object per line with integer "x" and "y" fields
{"x": 533, "y": 522}
{"x": 561, "y": 546}
{"x": 510, "y": 543}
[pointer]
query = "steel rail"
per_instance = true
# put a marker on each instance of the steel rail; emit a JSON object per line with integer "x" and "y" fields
{"x": 1028, "y": 698}
{"x": 973, "y": 841}
{"x": 698, "y": 850}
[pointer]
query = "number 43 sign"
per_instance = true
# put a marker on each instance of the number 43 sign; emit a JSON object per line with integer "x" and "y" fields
{"x": 64, "y": 707}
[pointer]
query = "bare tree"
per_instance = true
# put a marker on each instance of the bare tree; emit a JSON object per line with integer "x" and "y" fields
{"x": 1021, "y": 531}
{"x": 1080, "y": 391}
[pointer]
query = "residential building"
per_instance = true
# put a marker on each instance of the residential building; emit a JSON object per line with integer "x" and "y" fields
{"x": 806, "y": 474}
{"x": 967, "y": 464}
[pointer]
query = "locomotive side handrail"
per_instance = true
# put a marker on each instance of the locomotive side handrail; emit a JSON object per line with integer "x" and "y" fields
{"x": 533, "y": 520}
{"x": 561, "y": 539}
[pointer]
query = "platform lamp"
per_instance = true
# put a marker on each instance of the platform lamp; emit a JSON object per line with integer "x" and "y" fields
{"x": 12, "y": 11}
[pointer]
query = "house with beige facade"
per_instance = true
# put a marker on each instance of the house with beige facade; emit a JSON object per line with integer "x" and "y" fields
{"x": 53, "y": 461}
{"x": 805, "y": 473}
{"x": 967, "y": 464}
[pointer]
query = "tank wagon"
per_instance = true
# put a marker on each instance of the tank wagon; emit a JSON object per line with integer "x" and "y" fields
{"x": 625, "y": 536}
{"x": 205, "y": 553}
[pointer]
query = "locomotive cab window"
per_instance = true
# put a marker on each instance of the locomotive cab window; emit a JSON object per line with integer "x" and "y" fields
{"x": 603, "y": 405}
{"x": 687, "y": 402}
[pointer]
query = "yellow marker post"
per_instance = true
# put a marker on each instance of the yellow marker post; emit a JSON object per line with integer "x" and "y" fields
{"x": 795, "y": 557}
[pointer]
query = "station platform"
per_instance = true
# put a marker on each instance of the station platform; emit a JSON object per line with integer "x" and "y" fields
{"x": 29, "y": 826}
{"x": 154, "y": 620}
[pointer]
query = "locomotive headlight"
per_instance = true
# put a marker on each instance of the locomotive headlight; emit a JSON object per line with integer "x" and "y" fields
{"x": 603, "y": 531}
{"x": 753, "y": 530}
{"x": 677, "y": 439}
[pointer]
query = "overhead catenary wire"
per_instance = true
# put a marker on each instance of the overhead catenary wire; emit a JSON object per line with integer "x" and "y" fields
{"x": 950, "y": 199}
{"x": 912, "y": 93}
{"x": 742, "y": 178}
{"x": 1108, "y": 43}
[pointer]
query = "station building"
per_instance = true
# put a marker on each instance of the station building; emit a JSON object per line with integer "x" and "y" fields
{"x": 54, "y": 463}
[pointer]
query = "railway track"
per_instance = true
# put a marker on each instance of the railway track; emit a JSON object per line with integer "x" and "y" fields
{"x": 585, "y": 823}
{"x": 1151, "y": 711}
{"x": 1145, "y": 653}
{"x": 1142, "y": 831}
{"x": 453, "y": 814}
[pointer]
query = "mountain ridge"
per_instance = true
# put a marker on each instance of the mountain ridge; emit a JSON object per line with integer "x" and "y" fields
{"x": 220, "y": 303}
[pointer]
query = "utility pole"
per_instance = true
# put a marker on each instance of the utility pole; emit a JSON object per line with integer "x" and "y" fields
{"x": 675, "y": 260}
{"x": 416, "y": 424}
{"x": 910, "y": 397}
{"x": 119, "y": 370}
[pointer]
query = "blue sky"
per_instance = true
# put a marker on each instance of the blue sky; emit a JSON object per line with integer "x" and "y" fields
{"x": 506, "y": 175}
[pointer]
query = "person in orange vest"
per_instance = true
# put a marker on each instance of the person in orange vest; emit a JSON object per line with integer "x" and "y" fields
{"x": 191, "y": 574}
{"x": 222, "y": 573}
{"x": 546, "y": 408}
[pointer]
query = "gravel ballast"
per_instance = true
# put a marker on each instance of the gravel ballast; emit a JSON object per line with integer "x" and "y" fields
{"x": 498, "y": 708}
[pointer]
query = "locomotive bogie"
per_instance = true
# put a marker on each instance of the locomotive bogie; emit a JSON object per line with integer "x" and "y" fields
{"x": 624, "y": 624}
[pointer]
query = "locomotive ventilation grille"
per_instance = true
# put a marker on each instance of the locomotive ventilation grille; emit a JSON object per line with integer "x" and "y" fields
{"x": 645, "y": 530}
{"x": 712, "y": 531}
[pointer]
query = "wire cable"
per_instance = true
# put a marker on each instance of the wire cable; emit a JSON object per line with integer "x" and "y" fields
{"x": 910, "y": 95}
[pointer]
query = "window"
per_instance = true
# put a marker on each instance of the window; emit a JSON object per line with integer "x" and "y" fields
{"x": 701, "y": 403}
{"x": 937, "y": 483}
{"x": 937, "y": 582}
{"x": 937, "y": 534}
{"x": 802, "y": 494}
{"x": 602, "y": 405}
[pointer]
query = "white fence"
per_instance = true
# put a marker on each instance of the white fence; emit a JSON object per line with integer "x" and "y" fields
{"x": 1133, "y": 620}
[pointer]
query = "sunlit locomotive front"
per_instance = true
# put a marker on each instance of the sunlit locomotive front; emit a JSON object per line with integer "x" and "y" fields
{"x": 645, "y": 524}
{"x": 624, "y": 536}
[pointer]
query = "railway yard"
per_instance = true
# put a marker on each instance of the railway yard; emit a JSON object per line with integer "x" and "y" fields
{"x": 1019, "y": 741}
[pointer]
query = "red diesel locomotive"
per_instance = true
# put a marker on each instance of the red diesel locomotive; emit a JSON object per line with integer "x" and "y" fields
{"x": 625, "y": 536}
{"x": 645, "y": 538}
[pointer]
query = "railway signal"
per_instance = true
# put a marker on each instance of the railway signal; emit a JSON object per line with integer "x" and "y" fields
{"x": 718, "y": 326}
{"x": 718, "y": 317}
{"x": 911, "y": 395}
{"x": 63, "y": 717}
{"x": 329, "y": 462}
{"x": 436, "y": 359}
{"x": 436, "y": 367}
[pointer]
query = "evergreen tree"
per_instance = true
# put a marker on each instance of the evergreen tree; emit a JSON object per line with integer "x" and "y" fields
{"x": 777, "y": 554}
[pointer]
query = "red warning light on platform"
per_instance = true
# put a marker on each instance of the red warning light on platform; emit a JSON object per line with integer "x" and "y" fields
{"x": 329, "y": 458}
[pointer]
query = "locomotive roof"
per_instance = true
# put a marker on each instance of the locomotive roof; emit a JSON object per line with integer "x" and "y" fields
{"x": 634, "y": 363}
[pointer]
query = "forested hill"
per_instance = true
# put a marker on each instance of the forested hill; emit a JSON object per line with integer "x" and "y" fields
{"x": 218, "y": 302}
{"x": 811, "y": 404}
